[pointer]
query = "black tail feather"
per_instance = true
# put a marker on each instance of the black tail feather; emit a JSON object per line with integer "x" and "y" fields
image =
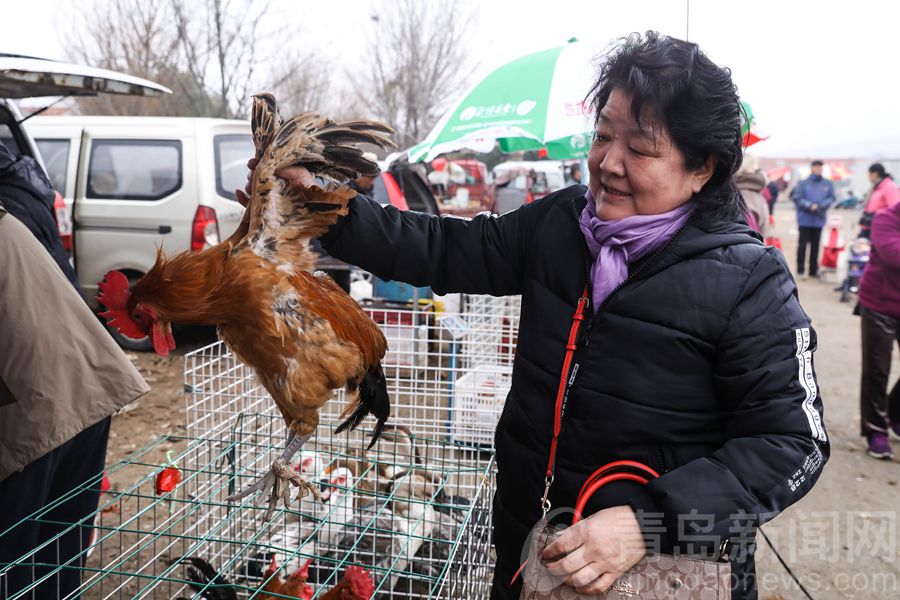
{"x": 200, "y": 574}
{"x": 374, "y": 400}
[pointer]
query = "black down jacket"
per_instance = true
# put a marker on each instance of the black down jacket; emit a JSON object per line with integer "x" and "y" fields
{"x": 699, "y": 365}
{"x": 27, "y": 195}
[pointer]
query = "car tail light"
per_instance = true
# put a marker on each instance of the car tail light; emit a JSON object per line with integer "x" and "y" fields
{"x": 63, "y": 220}
{"x": 205, "y": 230}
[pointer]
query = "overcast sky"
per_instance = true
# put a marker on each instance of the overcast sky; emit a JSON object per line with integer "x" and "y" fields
{"x": 821, "y": 76}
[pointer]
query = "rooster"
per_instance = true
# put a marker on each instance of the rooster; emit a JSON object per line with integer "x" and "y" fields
{"x": 356, "y": 584}
{"x": 296, "y": 328}
{"x": 294, "y": 586}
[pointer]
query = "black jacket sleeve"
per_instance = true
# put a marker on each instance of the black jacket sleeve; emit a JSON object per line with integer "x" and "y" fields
{"x": 483, "y": 255}
{"x": 776, "y": 442}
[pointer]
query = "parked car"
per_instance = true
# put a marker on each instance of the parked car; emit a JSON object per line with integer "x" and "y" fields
{"x": 405, "y": 187}
{"x": 521, "y": 182}
{"x": 137, "y": 183}
{"x": 468, "y": 192}
{"x": 30, "y": 77}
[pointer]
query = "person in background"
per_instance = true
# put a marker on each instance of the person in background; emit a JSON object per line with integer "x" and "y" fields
{"x": 751, "y": 181}
{"x": 574, "y": 175}
{"x": 812, "y": 196}
{"x": 61, "y": 377}
{"x": 885, "y": 193}
{"x": 879, "y": 299}
{"x": 770, "y": 193}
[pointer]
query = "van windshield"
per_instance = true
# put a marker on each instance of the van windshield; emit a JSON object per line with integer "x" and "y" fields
{"x": 232, "y": 153}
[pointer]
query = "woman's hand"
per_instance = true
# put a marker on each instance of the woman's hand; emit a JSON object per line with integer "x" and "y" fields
{"x": 596, "y": 551}
{"x": 295, "y": 175}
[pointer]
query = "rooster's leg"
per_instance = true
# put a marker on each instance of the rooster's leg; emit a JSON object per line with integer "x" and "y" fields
{"x": 279, "y": 476}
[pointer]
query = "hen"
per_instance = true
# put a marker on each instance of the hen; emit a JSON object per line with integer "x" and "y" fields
{"x": 300, "y": 332}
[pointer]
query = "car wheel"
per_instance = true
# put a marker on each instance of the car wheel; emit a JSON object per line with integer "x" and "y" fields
{"x": 126, "y": 343}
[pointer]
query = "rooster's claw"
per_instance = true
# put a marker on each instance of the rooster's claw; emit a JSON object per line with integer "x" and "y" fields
{"x": 277, "y": 479}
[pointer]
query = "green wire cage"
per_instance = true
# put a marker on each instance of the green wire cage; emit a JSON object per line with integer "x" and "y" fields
{"x": 414, "y": 511}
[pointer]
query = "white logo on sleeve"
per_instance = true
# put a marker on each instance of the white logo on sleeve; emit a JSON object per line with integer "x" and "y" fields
{"x": 808, "y": 383}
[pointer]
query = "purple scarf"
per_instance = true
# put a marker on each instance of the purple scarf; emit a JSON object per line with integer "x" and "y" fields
{"x": 616, "y": 244}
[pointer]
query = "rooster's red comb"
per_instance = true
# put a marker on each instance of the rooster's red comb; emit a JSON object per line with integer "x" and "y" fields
{"x": 303, "y": 571}
{"x": 113, "y": 295}
{"x": 360, "y": 581}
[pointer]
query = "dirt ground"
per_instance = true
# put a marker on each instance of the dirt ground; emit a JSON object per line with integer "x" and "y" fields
{"x": 841, "y": 540}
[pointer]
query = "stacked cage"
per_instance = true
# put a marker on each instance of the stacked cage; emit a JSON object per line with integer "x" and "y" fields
{"x": 414, "y": 511}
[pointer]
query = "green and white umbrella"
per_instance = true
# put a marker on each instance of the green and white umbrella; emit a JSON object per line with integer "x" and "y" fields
{"x": 536, "y": 101}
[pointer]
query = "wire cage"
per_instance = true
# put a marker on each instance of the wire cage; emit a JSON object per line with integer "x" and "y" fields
{"x": 414, "y": 511}
{"x": 448, "y": 374}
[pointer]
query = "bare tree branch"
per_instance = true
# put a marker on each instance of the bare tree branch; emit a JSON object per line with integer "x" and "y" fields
{"x": 207, "y": 52}
{"x": 417, "y": 63}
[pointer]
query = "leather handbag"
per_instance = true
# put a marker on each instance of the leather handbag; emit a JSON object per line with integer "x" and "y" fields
{"x": 655, "y": 576}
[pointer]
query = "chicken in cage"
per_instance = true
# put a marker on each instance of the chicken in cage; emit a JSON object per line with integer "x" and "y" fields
{"x": 391, "y": 524}
{"x": 409, "y": 518}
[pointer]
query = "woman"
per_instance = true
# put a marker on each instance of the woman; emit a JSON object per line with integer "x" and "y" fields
{"x": 751, "y": 181}
{"x": 688, "y": 360}
{"x": 884, "y": 193}
{"x": 879, "y": 299}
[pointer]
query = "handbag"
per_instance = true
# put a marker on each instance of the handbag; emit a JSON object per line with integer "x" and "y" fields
{"x": 655, "y": 576}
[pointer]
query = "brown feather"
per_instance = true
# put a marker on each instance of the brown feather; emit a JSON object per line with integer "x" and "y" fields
{"x": 348, "y": 320}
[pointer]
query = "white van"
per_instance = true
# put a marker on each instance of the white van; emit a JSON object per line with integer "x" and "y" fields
{"x": 30, "y": 77}
{"x": 137, "y": 183}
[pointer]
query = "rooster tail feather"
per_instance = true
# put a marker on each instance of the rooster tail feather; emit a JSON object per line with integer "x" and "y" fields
{"x": 373, "y": 400}
{"x": 327, "y": 148}
{"x": 265, "y": 121}
{"x": 201, "y": 575}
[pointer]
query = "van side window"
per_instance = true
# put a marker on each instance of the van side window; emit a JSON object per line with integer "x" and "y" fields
{"x": 134, "y": 169}
{"x": 232, "y": 152}
{"x": 56, "y": 159}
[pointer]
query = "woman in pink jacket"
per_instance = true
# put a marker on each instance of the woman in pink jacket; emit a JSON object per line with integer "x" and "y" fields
{"x": 879, "y": 299}
{"x": 885, "y": 193}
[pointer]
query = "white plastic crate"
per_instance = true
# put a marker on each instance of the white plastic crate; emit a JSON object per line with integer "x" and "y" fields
{"x": 478, "y": 398}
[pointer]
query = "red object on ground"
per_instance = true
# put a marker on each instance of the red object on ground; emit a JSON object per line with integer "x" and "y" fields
{"x": 832, "y": 249}
{"x": 169, "y": 478}
{"x": 774, "y": 242}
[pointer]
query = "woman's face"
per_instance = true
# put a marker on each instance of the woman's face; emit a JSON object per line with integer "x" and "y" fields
{"x": 637, "y": 171}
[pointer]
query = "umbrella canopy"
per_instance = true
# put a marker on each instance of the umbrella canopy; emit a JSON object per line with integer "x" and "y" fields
{"x": 749, "y": 129}
{"x": 777, "y": 173}
{"x": 535, "y": 101}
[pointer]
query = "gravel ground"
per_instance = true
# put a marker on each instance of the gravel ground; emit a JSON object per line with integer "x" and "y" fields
{"x": 841, "y": 540}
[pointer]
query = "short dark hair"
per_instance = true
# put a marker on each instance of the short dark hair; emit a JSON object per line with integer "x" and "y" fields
{"x": 694, "y": 98}
{"x": 878, "y": 169}
{"x": 817, "y": 163}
